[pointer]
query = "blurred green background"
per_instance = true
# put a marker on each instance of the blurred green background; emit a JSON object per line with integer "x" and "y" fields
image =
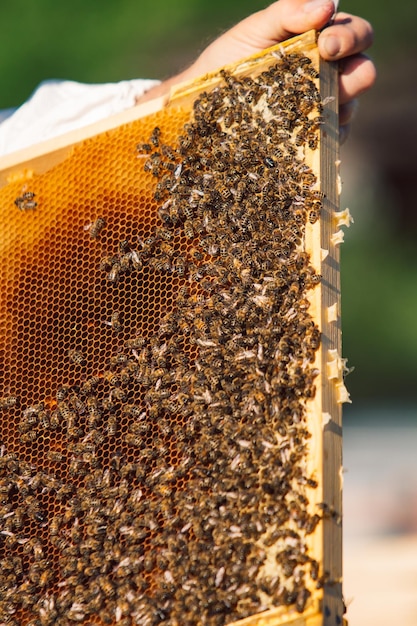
{"x": 104, "y": 40}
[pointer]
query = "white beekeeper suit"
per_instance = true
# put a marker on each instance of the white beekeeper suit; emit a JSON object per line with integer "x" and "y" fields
{"x": 59, "y": 106}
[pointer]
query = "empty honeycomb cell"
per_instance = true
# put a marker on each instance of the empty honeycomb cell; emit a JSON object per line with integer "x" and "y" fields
{"x": 160, "y": 357}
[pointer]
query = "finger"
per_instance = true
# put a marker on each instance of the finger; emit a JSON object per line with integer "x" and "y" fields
{"x": 347, "y": 36}
{"x": 265, "y": 28}
{"x": 281, "y": 20}
{"x": 344, "y": 133}
{"x": 347, "y": 112}
{"x": 358, "y": 75}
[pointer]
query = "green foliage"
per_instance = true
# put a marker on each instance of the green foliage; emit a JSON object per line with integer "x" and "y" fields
{"x": 103, "y": 40}
{"x": 379, "y": 312}
{"x": 394, "y": 26}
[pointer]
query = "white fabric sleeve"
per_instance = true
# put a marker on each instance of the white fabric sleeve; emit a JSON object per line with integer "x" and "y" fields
{"x": 57, "y": 107}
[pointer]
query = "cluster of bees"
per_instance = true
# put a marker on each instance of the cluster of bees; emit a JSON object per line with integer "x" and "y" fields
{"x": 179, "y": 493}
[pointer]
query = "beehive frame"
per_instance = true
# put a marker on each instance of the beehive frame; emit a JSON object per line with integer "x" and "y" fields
{"x": 20, "y": 172}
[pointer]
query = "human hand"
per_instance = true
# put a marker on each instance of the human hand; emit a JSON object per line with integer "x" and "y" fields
{"x": 344, "y": 41}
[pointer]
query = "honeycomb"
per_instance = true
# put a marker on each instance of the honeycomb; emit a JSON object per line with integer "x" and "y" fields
{"x": 160, "y": 353}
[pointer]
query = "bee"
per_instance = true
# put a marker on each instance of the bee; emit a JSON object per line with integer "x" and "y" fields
{"x": 120, "y": 394}
{"x": 180, "y": 265}
{"x": 76, "y": 356}
{"x": 111, "y": 425}
{"x": 26, "y": 202}
{"x": 133, "y": 411}
{"x": 124, "y": 246}
{"x": 55, "y": 456}
{"x": 30, "y": 414}
{"x": 134, "y": 440}
{"x": 111, "y": 377}
{"x": 54, "y": 419}
{"x": 125, "y": 376}
{"x": 165, "y": 234}
{"x": 136, "y": 343}
{"x": 106, "y": 263}
{"x": 230, "y": 117}
{"x": 161, "y": 263}
{"x": 94, "y": 413}
{"x": 54, "y": 526}
{"x": 44, "y": 419}
{"x": 8, "y": 402}
{"x": 301, "y": 137}
{"x": 114, "y": 275}
{"x": 313, "y": 141}
{"x": 188, "y": 229}
{"x": 66, "y": 412}
{"x": 125, "y": 263}
{"x": 140, "y": 428}
{"x": 88, "y": 386}
{"x": 28, "y": 437}
{"x": 143, "y": 147}
{"x": 33, "y": 509}
{"x": 155, "y": 136}
{"x": 315, "y": 279}
{"x": 17, "y": 566}
{"x": 96, "y": 227}
{"x": 301, "y": 599}
{"x": 75, "y": 613}
{"x": 313, "y": 215}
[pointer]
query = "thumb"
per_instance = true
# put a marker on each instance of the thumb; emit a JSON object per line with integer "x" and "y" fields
{"x": 286, "y": 18}
{"x": 263, "y": 29}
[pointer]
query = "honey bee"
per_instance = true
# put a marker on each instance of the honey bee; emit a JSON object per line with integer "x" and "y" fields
{"x": 96, "y": 227}
{"x": 169, "y": 152}
{"x": 115, "y": 272}
{"x": 8, "y": 402}
{"x": 62, "y": 393}
{"x": 125, "y": 263}
{"x": 54, "y": 419}
{"x": 33, "y": 509}
{"x": 30, "y": 414}
{"x": 26, "y": 202}
{"x": 155, "y": 136}
{"x": 66, "y": 412}
{"x": 165, "y": 234}
{"x": 180, "y": 265}
{"x": 313, "y": 215}
{"x": 119, "y": 393}
{"x": 188, "y": 229}
{"x": 313, "y": 141}
{"x": 28, "y": 437}
{"x": 111, "y": 377}
{"x": 106, "y": 263}
{"x": 55, "y": 456}
{"x": 111, "y": 425}
{"x": 143, "y": 147}
{"x": 301, "y": 599}
{"x": 269, "y": 162}
{"x": 94, "y": 413}
{"x": 77, "y": 357}
{"x": 54, "y": 526}
{"x": 133, "y": 411}
{"x": 88, "y": 386}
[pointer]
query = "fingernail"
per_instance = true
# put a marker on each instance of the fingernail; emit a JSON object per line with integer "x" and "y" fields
{"x": 331, "y": 45}
{"x": 314, "y": 5}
